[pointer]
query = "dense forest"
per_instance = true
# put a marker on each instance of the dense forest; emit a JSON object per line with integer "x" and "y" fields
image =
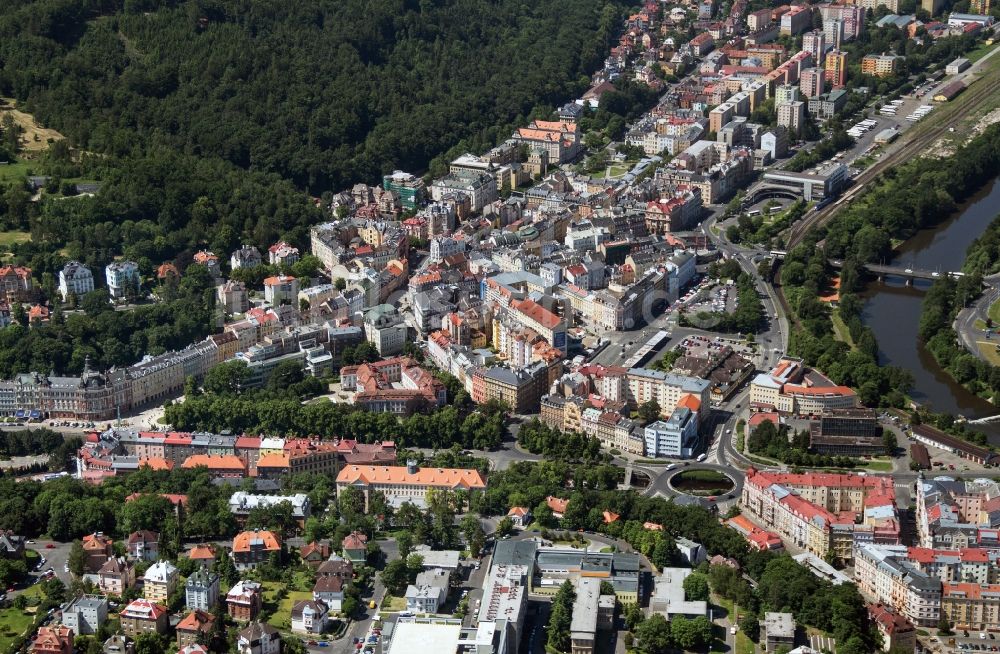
{"x": 324, "y": 93}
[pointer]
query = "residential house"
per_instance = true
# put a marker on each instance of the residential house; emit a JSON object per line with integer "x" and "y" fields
{"x": 520, "y": 516}
{"x": 336, "y": 566}
{"x": 144, "y": 545}
{"x": 122, "y": 278}
{"x": 314, "y": 554}
{"x": 258, "y": 638}
{"x": 196, "y": 624}
{"x": 116, "y": 576}
{"x": 160, "y": 581}
{"x": 98, "y": 549}
{"x": 75, "y": 279}
{"x": 251, "y": 548}
{"x": 204, "y": 553}
{"x": 85, "y": 615}
{"x": 201, "y": 590}
{"x": 429, "y": 593}
{"x": 557, "y": 506}
{"x": 246, "y": 257}
{"x": 119, "y": 644}
{"x": 330, "y": 591}
{"x": 53, "y": 640}
{"x": 142, "y": 616}
{"x": 282, "y": 253}
{"x": 309, "y": 617}
{"x": 244, "y": 600}
{"x": 355, "y": 547}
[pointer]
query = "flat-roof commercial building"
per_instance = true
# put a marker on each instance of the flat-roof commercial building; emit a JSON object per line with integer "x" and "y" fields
{"x": 591, "y": 612}
{"x": 779, "y": 631}
{"x": 847, "y": 432}
{"x": 810, "y": 186}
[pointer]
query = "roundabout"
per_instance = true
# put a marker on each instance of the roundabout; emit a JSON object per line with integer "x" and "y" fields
{"x": 664, "y": 484}
{"x": 702, "y": 482}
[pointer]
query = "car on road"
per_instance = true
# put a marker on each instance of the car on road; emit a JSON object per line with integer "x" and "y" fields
{"x": 50, "y": 546}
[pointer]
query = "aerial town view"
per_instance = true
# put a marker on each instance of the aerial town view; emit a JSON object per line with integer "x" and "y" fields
{"x": 499, "y": 327}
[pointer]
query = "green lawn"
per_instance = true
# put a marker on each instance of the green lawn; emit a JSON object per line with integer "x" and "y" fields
{"x": 840, "y": 330}
{"x": 281, "y": 611}
{"x": 13, "y": 623}
{"x": 392, "y": 604}
{"x": 880, "y": 466}
{"x": 994, "y": 312}
{"x": 989, "y": 351}
{"x": 13, "y": 171}
{"x": 980, "y": 52}
{"x": 9, "y": 238}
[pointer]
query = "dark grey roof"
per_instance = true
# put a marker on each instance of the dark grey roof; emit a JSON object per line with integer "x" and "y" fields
{"x": 515, "y": 552}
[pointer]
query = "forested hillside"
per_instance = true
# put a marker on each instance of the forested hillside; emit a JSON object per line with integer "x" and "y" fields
{"x": 322, "y": 92}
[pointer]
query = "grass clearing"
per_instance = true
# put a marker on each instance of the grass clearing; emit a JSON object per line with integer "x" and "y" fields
{"x": 392, "y": 604}
{"x": 12, "y": 172}
{"x": 13, "y": 623}
{"x": 879, "y": 466}
{"x": 994, "y": 312}
{"x": 840, "y": 330}
{"x": 281, "y": 616}
{"x": 10, "y": 238}
{"x": 34, "y": 138}
{"x": 989, "y": 351}
{"x": 980, "y": 52}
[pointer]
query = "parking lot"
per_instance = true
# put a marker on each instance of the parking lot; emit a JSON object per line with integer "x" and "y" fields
{"x": 720, "y": 299}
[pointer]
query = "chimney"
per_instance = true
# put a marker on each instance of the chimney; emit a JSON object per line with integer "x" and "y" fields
{"x": 411, "y": 466}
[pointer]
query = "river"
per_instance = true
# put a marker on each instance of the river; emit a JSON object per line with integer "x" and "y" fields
{"x": 892, "y": 309}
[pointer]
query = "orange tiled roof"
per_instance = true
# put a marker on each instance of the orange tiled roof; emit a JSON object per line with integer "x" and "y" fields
{"x": 202, "y": 552}
{"x": 215, "y": 462}
{"x": 156, "y": 463}
{"x": 436, "y": 477}
{"x": 273, "y": 460}
{"x": 557, "y": 505}
{"x": 244, "y": 539}
{"x": 196, "y": 620}
{"x": 689, "y": 401}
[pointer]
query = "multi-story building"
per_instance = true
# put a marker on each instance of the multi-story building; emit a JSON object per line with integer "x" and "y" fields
{"x": 677, "y": 436}
{"x": 282, "y": 254}
{"x": 385, "y": 329}
{"x": 258, "y": 638}
{"x": 971, "y": 606}
{"x": 793, "y": 388}
{"x": 958, "y": 514}
{"x": 878, "y": 65}
{"x": 668, "y": 390}
{"x": 53, "y": 640}
{"x": 122, "y": 278}
{"x": 429, "y": 592}
{"x": 75, "y": 279}
{"x": 411, "y": 188}
{"x": 796, "y": 20}
{"x": 556, "y": 565}
{"x": 408, "y": 483}
{"x": 201, "y": 590}
{"x": 898, "y": 634}
{"x": 791, "y": 115}
{"x": 823, "y": 512}
{"x": 233, "y": 297}
{"x": 847, "y": 432}
{"x": 241, "y": 504}
{"x": 86, "y": 614}
{"x": 15, "y": 283}
{"x": 143, "y": 616}
{"x": 210, "y": 261}
{"x": 885, "y": 575}
{"x": 194, "y": 627}
{"x": 115, "y": 576}
{"x": 244, "y": 600}
{"x": 520, "y": 389}
{"x": 559, "y": 139}
{"x": 835, "y": 68}
{"x": 247, "y": 256}
{"x": 811, "y": 82}
{"x": 160, "y": 581}
{"x": 251, "y": 548}
{"x": 143, "y": 545}
{"x": 614, "y": 430}
{"x": 778, "y": 630}
{"x": 815, "y": 44}
{"x": 396, "y": 385}
{"x": 281, "y": 289}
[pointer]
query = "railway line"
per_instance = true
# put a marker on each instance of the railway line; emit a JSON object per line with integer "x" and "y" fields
{"x": 911, "y": 148}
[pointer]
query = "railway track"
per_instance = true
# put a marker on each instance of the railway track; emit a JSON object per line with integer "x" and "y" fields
{"x": 908, "y": 150}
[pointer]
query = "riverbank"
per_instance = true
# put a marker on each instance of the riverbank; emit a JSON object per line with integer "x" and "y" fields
{"x": 881, "y": 359}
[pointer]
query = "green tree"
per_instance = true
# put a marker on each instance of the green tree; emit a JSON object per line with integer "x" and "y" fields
{"x": 77, "y": 559}
{"x": 889, "y": 441}
{"x": 227, "y": 378}
{"x": 654, "y": 635}
{"x": 696, "y": 587}
{"x": 649, "y": 411}
{"x": 560, "y": 617}
{"x": 395, "y": 576}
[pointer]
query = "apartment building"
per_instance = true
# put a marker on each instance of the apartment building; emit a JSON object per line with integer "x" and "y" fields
{"x": 668, "y": 390}
{"x": 122, "y": 278}
{"x": 958, "y": 514}
{"x": 835, "y": 68}
{"x": 398, "y": 386}
{"x": 15, "y": 283}
{"x": 885, "y": 575}
{"x": 898, "y": 634}
{"x": 160, "y": 581}
{"x": 822, "y": 512}
{"x": 879, "y": 65}
{"x": 971, "y": 606}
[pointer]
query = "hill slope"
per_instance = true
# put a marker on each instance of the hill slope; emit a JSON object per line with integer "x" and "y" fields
{"x": 322, "y": 92}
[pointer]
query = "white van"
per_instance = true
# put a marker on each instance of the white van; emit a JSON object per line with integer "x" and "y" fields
{"x": 701, "y": 457}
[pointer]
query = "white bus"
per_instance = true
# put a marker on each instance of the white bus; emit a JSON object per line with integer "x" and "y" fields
{"x": 701, "y": 457}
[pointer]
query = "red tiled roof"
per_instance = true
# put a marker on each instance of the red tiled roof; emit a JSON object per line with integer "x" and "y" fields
{"x": 435, "y": 477}
{"x": 556, "y": 504}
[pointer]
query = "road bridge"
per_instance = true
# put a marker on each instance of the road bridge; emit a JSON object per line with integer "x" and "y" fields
{"x": 909, "y": 274}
